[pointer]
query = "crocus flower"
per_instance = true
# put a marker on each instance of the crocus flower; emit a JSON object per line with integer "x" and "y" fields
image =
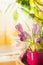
{"x": 19, "y": 27}
{"x": 23, "y": 34}
{"x": 35, "y": 28}
{"x": 38, "y": 40}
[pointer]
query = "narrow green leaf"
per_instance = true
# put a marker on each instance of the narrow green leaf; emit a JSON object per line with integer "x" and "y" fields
{"x": 15, "y": 15}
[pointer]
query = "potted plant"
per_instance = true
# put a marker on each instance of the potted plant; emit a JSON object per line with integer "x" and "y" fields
{"x": 35, "y": 40}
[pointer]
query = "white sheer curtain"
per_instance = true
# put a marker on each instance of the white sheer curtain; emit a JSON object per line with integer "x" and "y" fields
{"x": 5, "y": 3}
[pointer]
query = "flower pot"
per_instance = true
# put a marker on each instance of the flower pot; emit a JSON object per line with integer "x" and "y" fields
{"x": 35, "y": 58}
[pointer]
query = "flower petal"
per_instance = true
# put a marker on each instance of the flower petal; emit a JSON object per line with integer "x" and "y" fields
{"x": 19, "y": 27}
{"x": 35, "y": 28}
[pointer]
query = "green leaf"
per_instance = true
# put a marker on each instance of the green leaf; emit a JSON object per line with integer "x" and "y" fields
{"x": 25, "y": 11}
{"x": 35, "y": 46}
{"x": 31, "y": 1}
{"x": 38, "y": 46}
{"x": 40, "y": 2}
{"x": 15, "y": 15}
{"x": 36, "y": 11}
{"x": 40, "y": 22}
{"x": 41, "y": 42}
{"x": 24, "y": 3}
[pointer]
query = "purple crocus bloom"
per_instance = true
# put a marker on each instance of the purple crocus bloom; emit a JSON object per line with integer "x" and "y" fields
{"x": 38, "y": 40}
{"x": 35, "y": 28}
{"x": 19, "y": 27}
{"x": 23, "y": 34}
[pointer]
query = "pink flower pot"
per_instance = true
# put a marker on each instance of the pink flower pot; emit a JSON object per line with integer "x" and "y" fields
{"x": 35, "y": 58}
